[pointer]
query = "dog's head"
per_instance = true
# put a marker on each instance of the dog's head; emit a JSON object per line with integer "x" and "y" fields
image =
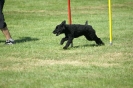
{"x": 60, "y": 28}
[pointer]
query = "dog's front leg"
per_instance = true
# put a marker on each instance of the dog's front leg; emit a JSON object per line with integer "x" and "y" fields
{"x": 63, "y": 40}
{"x": 72, "y": 44}
{"x": 68, "y": 43}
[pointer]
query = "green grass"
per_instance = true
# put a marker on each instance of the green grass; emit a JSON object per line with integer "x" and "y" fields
{"x": 38, "y": 61}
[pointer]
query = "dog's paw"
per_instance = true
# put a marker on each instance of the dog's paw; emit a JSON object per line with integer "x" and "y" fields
{"x": 64, "y": 47}
{"x": 61, "y": 43}
{"x": 101, "y": 44}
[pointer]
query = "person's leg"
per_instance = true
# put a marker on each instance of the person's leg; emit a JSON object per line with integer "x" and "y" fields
{"x": 6, "y": 33}
{"x": 3, "y": 25}
{"x": 9, "y": 39}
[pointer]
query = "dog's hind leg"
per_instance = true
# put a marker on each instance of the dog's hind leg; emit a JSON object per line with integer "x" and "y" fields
{"x": 94, "y": 37}
{"x": 98, "y": 40}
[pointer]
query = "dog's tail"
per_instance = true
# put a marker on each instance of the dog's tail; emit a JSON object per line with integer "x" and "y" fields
{"x": 86, "y": 23}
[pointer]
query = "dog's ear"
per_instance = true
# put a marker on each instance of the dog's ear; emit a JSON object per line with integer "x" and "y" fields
{"x": 63, "y": 22}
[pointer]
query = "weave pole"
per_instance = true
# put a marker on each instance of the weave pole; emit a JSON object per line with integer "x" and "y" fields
{"x": 69, "y": 12}
{"x": 110, "y": 20}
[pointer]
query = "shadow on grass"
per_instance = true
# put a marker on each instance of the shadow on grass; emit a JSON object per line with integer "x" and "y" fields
{"x": 22, "y": 40}
{"x": 25, "y": 39}
{"x": 86, "y": 45}
{"x": 2, "y": 41}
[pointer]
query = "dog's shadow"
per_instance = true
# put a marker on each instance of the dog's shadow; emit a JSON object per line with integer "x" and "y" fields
{"x": 23, "y": 39}
{"x": 86, "y": 45}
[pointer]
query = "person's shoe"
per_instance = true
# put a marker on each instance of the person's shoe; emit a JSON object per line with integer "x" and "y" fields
{"x": 10, "y": 42}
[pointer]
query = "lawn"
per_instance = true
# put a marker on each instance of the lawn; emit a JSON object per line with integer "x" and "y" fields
{"x": 37, "y": 60}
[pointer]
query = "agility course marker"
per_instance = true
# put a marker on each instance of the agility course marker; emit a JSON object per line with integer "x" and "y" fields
{"x": 110, "y": 20}
{"x": 69, "y": 12}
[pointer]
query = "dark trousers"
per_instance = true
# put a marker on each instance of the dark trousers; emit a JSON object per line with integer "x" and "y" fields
{"x": 2, "y": 20}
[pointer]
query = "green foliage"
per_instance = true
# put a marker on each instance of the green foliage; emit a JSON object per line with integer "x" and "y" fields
{"x": 38, "y": 61}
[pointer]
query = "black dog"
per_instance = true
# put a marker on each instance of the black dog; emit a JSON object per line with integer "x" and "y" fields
{"x": 75, "y": 30}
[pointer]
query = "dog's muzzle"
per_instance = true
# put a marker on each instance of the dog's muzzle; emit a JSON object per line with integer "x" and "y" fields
{"x": 56, "y": 33}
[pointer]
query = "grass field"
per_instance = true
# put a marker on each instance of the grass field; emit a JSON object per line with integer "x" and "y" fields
{"x": 38, "y": 61}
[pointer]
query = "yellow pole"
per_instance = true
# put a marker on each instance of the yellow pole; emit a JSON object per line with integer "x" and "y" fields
{"x": 110, "y": 20}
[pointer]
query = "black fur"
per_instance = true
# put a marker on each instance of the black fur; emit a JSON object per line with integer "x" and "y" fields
{"x": 75, "y": 30}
